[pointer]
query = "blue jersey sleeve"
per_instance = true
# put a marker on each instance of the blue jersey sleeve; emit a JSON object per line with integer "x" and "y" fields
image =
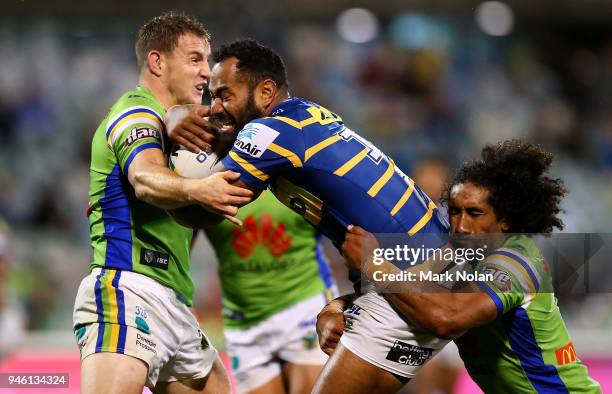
{"x": 264, "y": 150}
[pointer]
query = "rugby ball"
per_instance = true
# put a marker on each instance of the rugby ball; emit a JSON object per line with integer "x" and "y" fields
{"x": 193, "y": 165}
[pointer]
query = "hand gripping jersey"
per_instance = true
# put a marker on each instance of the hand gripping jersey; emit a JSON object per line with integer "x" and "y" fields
{"x": 527, "y": 349}
{"x": 271, "y": 263}
{"x": 330, "y": 175}
{"x": 126, "y": 233}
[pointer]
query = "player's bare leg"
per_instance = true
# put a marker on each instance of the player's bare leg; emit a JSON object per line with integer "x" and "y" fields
{"x": 301, "y": 378}
{"x": 274, "y": 386}
{"x": 346, "y": 373}
{"x": 110, "y": 373}
{"x": 216, "y": 382}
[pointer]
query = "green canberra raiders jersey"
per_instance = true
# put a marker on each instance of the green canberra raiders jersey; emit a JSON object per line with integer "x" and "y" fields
{"x": 528, "y": 348}
{"x": 271, "y": 263}
{"x": 126, "y": 233}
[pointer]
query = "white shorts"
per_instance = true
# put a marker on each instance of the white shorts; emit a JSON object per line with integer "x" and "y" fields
{"x": 290, "y": 335}
{"x": 376, "y": 333}
{"x": 129, "y": 313}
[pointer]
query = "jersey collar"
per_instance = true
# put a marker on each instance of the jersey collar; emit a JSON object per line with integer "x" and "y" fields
{"x": 286, "y": 104}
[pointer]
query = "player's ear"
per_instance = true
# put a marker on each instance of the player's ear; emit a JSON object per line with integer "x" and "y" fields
{"x": 505, "y": 226}
{"x": 267, "y": 92}
{"x": 154, "y": 62}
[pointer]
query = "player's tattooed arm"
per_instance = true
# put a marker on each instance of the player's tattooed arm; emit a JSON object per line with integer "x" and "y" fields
{"x": 447, "y": 314}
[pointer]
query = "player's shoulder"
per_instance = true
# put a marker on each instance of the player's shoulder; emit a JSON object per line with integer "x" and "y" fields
{"x": 522, "y": 248}
{"x": 293, "y": 107}
{"x": 295, "y": 113}
{"x": 520, "y": 256}
{"x": 138, "y": 100}
{"x": 136, "y": 110}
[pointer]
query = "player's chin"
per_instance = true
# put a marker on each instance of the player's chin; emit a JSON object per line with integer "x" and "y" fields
{"x": 196, "y": 96}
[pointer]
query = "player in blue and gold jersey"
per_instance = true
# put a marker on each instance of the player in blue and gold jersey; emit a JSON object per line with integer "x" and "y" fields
{"x": 323, "y": 170}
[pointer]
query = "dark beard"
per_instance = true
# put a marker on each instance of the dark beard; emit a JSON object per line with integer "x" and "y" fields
{"x": 250, "y": 112}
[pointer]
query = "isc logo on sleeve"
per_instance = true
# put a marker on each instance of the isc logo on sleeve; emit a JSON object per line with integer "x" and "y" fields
{"x": 254, "y": 139}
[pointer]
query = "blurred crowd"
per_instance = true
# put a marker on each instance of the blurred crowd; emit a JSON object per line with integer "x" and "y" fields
{"x": 436, "y": 100}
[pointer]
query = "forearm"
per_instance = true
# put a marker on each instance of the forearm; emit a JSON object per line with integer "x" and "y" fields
{"x": 430, "y": 312}
{"x": 445, "y": 313}
{"x": 160, "y": 186}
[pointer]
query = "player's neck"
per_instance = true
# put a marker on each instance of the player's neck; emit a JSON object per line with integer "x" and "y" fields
{"x": 279, "y": 98}
{"x": 158, "y": 89}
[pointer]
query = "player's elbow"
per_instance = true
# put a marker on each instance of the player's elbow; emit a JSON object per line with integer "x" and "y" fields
{"x": 136, "y": 179}
{"x": 141, "y": 191}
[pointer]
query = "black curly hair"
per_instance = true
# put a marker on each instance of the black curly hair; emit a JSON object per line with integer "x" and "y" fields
{"x": 256, "y": 62}
{"x": 520, "y": 193}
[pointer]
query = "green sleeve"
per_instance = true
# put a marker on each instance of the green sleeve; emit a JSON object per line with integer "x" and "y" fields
{"x": 133, "y": 130}
{"x": 512, "y": 282}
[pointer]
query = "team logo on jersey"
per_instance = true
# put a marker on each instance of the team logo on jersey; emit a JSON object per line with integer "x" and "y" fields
{"x": 255, "y": 138}
{"x": 407, "y": 354}
{"x": 264, "y": 231}
{"x": 139, "y": 133}
{"x": 501, "y": 278}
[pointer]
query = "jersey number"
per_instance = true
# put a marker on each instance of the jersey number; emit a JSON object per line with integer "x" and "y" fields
{"x": 374, "y": 153}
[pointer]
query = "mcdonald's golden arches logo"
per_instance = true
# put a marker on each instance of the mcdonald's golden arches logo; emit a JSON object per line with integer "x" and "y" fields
{"x": 566, "y": 354}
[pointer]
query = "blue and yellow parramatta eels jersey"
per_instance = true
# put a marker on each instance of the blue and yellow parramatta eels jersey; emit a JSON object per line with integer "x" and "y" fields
{"x": 323, "y": 170}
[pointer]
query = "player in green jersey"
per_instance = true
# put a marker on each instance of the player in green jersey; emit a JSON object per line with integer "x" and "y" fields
{"x": 274, "y": 280}
{"x": 510, "y": 335}
{"x": 131, "y": 317}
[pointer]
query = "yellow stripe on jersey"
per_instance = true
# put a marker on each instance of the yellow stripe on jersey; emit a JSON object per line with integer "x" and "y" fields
{"x": 423, "y": 221}
{"x": 138, "y": 117}
{"x": 321, "y": 115}
{"x": 257, "y": 173}
{"x": 292, "y": 157}
{"x": 297, "y": 124}
{"x": 382, "y": 181}
{"x": 316, "y": 148}
{"x": 518, "y": 268}
{"x": 309, "y": 121}
{"x": 403, "y": 199}
{"x": 346, "y": 167}
{"x": 289, "y": 121}
{"x": 112, "y": 303}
